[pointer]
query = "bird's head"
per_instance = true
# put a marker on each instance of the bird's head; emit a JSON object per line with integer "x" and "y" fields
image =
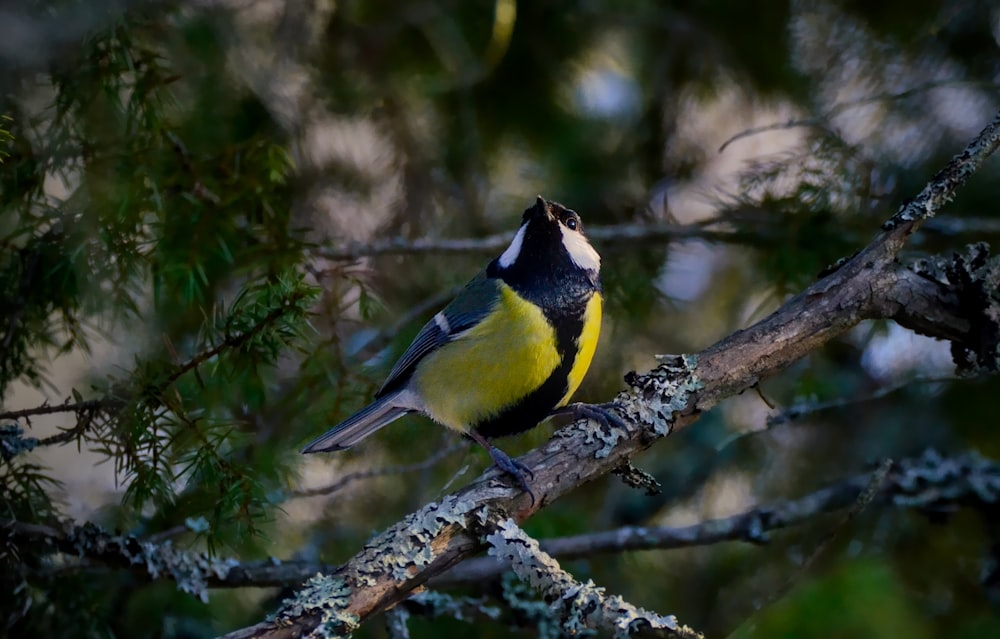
{"x": 550, "y": 235}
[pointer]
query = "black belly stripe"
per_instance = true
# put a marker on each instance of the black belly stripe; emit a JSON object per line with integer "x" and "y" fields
{"x": 550, "y": 281}
{"x": 525, "y": 414}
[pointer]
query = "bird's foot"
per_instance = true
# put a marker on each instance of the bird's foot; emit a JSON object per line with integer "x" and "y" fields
{"x": 604, "y": 414}
{"x": 514, "y": 468}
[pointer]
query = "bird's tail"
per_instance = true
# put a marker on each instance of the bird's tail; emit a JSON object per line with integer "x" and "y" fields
{"x": 358, "y": 426}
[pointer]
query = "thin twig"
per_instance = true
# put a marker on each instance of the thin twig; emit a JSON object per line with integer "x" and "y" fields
{"x": 350, "y": 478}
{"x": 617, "y": 234}
{"x": 67, "y": 407}
{"x": 866, "y": 496}
{"x": 198, "y": 188}
{"x": 824, "y": 118}
{"x": 380, "y": 339}
{"x": 230, "y": 341}
{"x": 799, "y": 410}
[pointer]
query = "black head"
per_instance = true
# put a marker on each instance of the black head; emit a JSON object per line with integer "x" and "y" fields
{"x": 549, "y": 250}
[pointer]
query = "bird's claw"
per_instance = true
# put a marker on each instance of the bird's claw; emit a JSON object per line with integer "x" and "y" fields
{"x": 604, "y": 414}
{"x": 515, "y": 469}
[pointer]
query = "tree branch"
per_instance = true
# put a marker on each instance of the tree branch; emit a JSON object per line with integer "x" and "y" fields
{"x": 580, "y": 606}
{"x": 438, "y": 536}
{"x": 618, "y": 234}
{"x": 927, "y": 482}
{"x": 349, "y": 478}
{"x": 65, "y": 407}
{"x": 823, "y": 119}
{"x": 193, "y": 571}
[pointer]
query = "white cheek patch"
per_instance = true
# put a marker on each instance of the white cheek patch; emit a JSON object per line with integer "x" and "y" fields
{"x": 509, "y": 256}
{"x": 580, "y": 250}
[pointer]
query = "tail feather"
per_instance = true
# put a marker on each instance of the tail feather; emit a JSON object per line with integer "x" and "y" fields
{"x": 358, "y": 426}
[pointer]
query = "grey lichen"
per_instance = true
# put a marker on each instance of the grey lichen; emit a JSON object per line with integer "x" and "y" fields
{"x": 400, "y": 552}
{"x": 411, "y": 548}
{"x": 13, "y": 442}
{"x": 436, "y": 604}
{"x": 650, "y": 404}
{"x": 396, "y": 623}
{"x": 532, "y": 611}
{"x": 607, "y": 434}
{"x": 940, "y": 190}
{"x": 974, "y": 278}
{"x": 656, "y": 396}
{"x": 935, "y": 483}
{"x": 637, "y": 478}
{"x": 328, "y": 597}
{"x": 191, "y": 570}
{"x": 581, "y": 607}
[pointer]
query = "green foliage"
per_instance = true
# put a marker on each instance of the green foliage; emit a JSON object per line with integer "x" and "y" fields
{"x": 169, "y": 431}
{"x": 5, "y": 136}
{"x": 143, "y": 212}
{"x": 857, "y": 599}
{"x": 40, "y": 289}
{"x": 27, "y": 490}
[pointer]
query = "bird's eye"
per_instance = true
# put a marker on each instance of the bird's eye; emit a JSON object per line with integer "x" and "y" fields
{"x": 571, "y": 223}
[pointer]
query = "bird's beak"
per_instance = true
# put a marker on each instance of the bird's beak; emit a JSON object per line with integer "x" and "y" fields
{"x": 541, "y": 209}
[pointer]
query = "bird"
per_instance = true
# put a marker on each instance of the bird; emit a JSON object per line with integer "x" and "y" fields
{"x": 510, "y": 349}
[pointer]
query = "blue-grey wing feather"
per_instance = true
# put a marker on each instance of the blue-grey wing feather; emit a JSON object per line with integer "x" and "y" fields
{"x": 470, "y": 306}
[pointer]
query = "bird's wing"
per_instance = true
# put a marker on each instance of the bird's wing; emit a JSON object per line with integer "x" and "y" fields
{"x": 469, "y": 307}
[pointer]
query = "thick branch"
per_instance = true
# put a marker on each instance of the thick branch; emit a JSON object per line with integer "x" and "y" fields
{"x": 438, "y": 536}
{"x": 855, "y": 291}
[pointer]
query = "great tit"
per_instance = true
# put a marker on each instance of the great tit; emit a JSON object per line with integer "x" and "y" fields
{"x": 507, "y": 352}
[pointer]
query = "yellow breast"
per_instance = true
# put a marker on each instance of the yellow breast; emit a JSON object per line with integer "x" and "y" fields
{"x": 494, "y": 364}
{"x": 586, "y": 345}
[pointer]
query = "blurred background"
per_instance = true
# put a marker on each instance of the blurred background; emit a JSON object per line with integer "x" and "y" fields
{"x": 208, "y": 216}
